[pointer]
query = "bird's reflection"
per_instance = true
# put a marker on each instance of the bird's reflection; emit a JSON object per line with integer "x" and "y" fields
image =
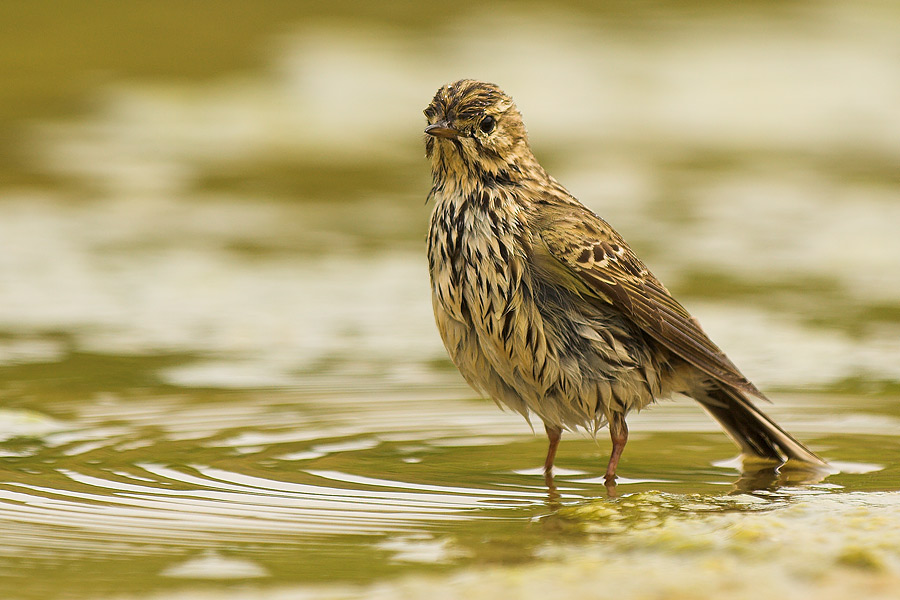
{"x": 755, "y": 476}
{"x": 770, "y": 477}
{"x": 553, "y": 494}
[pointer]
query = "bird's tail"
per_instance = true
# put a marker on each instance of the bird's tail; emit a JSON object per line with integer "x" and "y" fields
{"x": 751, "y": 429}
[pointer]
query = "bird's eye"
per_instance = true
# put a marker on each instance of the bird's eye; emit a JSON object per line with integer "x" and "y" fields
{"x": 487, "y": 124}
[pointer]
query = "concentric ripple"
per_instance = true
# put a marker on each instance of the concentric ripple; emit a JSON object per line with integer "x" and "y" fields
{"x": 163, "y": 477}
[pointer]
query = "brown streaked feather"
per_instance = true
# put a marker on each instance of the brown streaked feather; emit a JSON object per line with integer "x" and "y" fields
{"x": 600, "y": 258}
{"x": 544, "y": 307}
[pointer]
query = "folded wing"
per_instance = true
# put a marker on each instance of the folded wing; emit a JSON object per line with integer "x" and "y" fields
{"x": 591, "y": 251}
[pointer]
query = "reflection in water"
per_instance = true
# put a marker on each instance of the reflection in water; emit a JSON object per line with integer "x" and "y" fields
{"x": 170, "y": 479}
{"x": 217, "y": 354}
{"x": 773, "y": 477}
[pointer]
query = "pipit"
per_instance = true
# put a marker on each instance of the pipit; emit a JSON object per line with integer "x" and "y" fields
{"x": 545, "y": 308}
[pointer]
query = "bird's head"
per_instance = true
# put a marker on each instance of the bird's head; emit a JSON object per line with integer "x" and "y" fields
{"x": 475, "y": 129}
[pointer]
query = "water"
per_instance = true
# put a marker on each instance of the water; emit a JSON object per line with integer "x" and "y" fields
{"x": 219, "y": 373}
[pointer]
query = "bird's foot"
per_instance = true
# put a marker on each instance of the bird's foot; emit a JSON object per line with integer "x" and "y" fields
{"x": 610, "y": 482}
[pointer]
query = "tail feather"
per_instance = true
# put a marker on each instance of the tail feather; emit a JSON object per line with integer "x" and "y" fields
{"x": 751, "y": 429}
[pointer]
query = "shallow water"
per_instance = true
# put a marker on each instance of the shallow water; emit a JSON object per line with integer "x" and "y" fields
{"x": 219, "y": 373}
{"x": 292, "y": 420}
{"x": 167, "y": 484}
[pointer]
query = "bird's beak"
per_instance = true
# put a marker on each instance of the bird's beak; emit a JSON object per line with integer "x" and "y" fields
{"x": 442, "y": 129}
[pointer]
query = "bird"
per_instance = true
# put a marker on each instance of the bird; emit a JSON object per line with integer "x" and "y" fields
{"x": 545, "y": 308}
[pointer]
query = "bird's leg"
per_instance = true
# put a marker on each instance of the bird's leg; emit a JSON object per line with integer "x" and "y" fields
{"x": 553, "y": 434}
{"x": 618, "y": 433}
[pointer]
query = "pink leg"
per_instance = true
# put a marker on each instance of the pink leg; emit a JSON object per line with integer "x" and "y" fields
{"x": 618, "y": 433}
{"x": 554, "y": 434}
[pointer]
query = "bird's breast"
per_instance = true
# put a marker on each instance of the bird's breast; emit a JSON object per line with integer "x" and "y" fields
{"x": 477, "y": 249}
{"x": 483, "y": 290}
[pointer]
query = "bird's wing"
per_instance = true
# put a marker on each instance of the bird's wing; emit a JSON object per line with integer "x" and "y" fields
{"x": 591, "y": 251}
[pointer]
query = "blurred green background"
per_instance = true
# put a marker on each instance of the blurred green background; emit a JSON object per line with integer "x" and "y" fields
{"x": 217, "y": 356}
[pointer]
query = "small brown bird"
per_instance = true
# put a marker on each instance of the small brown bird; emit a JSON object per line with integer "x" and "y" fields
{"x": 544, "y": 307}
